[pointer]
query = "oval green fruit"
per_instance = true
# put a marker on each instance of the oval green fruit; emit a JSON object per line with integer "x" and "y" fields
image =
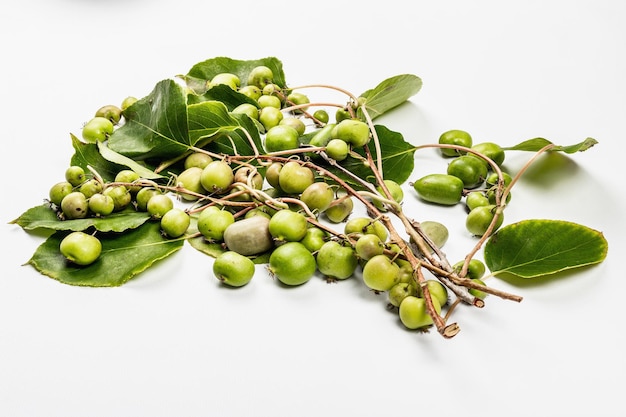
{"x": 441, "y": 189}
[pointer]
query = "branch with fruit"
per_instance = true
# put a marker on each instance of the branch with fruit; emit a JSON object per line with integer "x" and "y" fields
{"x": 248, "y": 170}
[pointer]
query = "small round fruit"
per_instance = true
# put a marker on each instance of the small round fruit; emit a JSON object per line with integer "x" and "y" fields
{"x": 336, "y": 261}
{"x": 91, "y": 187}
{"x": 339, "y": 209}
{"x": 213, "y": 221}
{"x": 394, "y": 189}
{"x": 314, "y": 238}
{"x": 493, "y": 178}
{"x": 248, "y": 109}
{"x": 478, "y": 220}
{"x": 369, "y": 245}
{"x": 75, "y": 206}
{"x": 251, "y": 91}
{"x": 225, "y": 78}
{"x": 127, "y": 102}
{"x": 128, "y": 176}
{"x": 294, "y": 122}
{"x": 353, "y": 131}
{"x": 191, "y": 180}
{"x": 414, "y": 314}
{"x": 455, "y": 137}
{"x": 101, "y": 205}
{"x": 217, "y": 177}
{"x": 292, "y": 264}
{"x": 476, "y": 199}
{"x": 97, "y": 129}
{"x": 58, "y": 191}
{"x": 321, "y": 115}
{"x": 399, "y": 292}
{"x": 158, "y": 205}
{"x": 318, "y": 196}
{"x": 197, "y": 159}
{"x": 175, "y": 222}
{"x": 476, "y": 292}
{"x": 272, "y": 174}
{"x": 366, "y": 225}
{"x": 260, "y": 76}
{"x": 81, "y": 248}
{"x": 233, "y": 269}
{"x": 299, "y": 99}
{"x": 120, "y": 195}
{"x": 491, "y": 150}
{"x": 337, "y": 149}
{"x": 469, "y": 169}
{"x": 440, "y": 189}
{"x": 475, "y": 270}
{"x": 288, "y": 225}
{"x": 249, "y": 236}
{"x": 380, "y": 273}
{"x": 75, "y": 175}
{"x": 270, "y": 117}
{"x": 111, "y": 112}
{"x": 281, "y": 138}
{"x": 295, "y": 178}
{"x": 269, "y": 101}
{"x": 437, "y": 290}
{"x": 342, "y": 114}
{"x": 143, "y": 196}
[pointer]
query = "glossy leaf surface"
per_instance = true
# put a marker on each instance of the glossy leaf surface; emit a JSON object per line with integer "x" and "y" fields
{"x": 535, "y": 248}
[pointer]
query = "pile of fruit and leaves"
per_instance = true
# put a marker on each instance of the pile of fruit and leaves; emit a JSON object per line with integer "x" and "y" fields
{"x": 248, "y": 170}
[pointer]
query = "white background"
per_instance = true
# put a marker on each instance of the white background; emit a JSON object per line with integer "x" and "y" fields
{"x": 173, "y": 342}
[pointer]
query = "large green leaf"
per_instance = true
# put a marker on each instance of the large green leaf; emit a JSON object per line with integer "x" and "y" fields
{"x": 534, "y": 248}
{"x": 155, "y": 126}
{"x": 390, "y": 93}
{"x": 204, "y": 71}
{"x": 43, "y": 217}
{"x": 123, "y": 257}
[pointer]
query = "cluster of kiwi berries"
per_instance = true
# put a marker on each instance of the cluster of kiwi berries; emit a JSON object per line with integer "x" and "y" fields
{"x": 282, "y": 208}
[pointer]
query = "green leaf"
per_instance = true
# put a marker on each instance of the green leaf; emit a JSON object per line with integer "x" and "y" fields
{"x": 208, "y": 118}
{"x": 44, "y": 217}
{"x": 88, "y": 154}
{"x": 204, "y": 71}
{"x": 536, "y": 144}
{"x": 390, "y": 93}
{"x": 123, "y": 257}
{"x": 534, "y": 248}
{"x": 397, "y": 157}
{"x": 120, "y": 159}
{"x": 236, "y": 142}
{"x": 155, "y": 126}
